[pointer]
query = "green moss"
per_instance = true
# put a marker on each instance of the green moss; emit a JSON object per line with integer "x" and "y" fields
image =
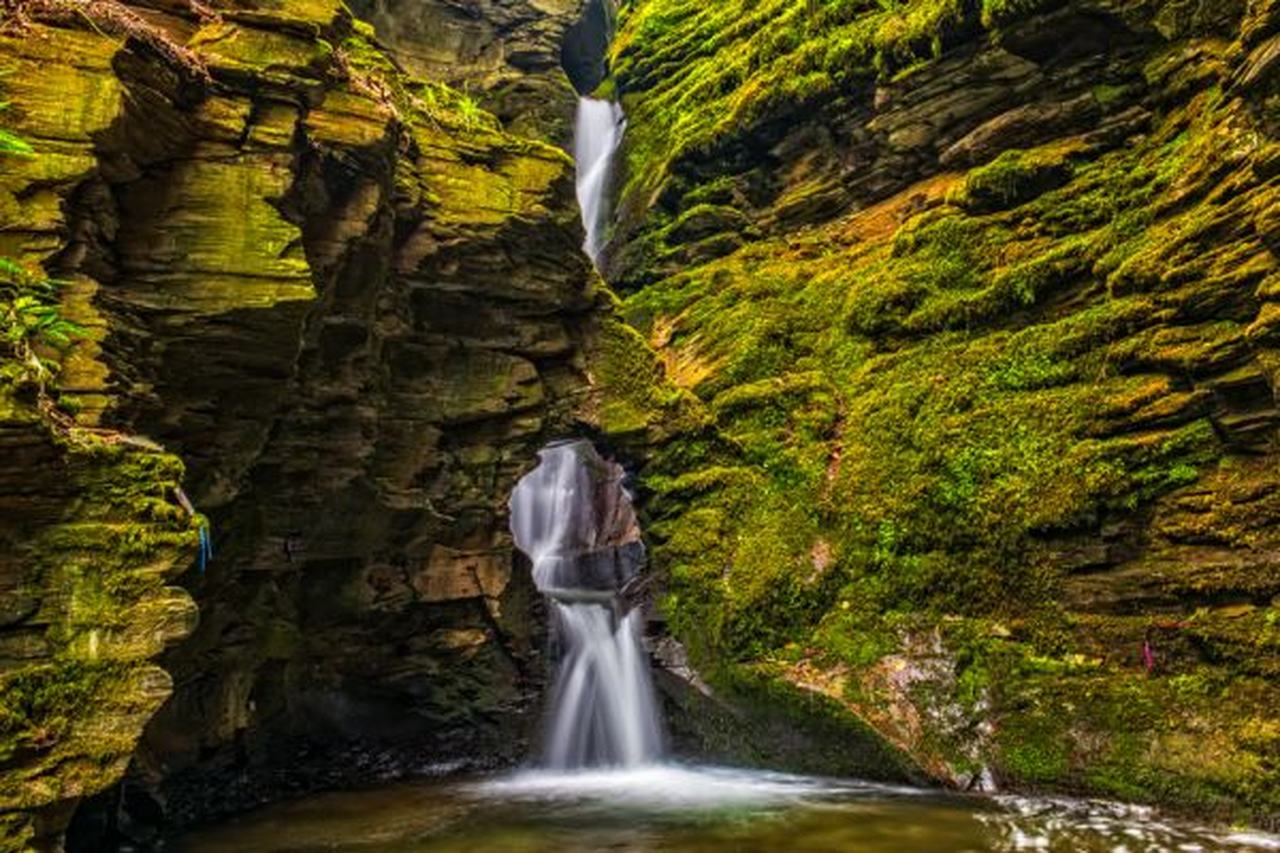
{"x": 910, "y": 418}
{"x": 1014, "y": 178}
{"x": 776, "y": 715}
{"x": 996, "y": 12}
{"x": 1035, "y": 751}
{"x": 1169, "y": 740}
{"x": 39, "y": 705}
{"x": 694, "y": 74}
{"x": 960, "y": 444}
{"x": 635, "y": 396}
{"x": 104, "y": 562}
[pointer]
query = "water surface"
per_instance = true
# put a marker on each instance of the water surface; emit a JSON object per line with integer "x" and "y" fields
{"x": 688, "y": 809}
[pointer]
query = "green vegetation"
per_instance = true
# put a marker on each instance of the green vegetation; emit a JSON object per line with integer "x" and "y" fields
{"x": 1014, "y": 178}
{"x": 31, "y": 321}
{"x": 31, "y": 324}
{"x": 371, "y": 72}
{"x": 736, "y": 64}
{"x": 12, "y": 145}
{"x": 921, "y": 408}
{"x": 39, "y": 705}
{"x": 697, "y": 74}
{"x": 108, "y": 557}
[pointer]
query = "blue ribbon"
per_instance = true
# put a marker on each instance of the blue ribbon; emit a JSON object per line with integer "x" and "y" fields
{"x": 206, "y": 548}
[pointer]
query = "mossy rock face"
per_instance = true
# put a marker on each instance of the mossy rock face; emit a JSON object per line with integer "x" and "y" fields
{"x": 1014, "y": 178}
{"x": 91, "y": 541}
{"x": 508, "y": 54}
{"x": 352, "y": 301}
{"x": 988, "y": 386}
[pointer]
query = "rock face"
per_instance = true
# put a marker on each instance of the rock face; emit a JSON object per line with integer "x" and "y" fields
{"x": 353, "y": 303}
{"x": 952, "y": 367}
{"x": 947, "y": 345}
{"x": 89, "y": 536}
{"x": 507, "y": 53}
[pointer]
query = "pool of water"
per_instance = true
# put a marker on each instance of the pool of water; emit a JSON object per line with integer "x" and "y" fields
{"x": 704, "y": 809}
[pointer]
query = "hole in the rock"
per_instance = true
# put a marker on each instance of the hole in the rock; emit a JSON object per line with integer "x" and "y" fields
{"x": 573, "y": 517}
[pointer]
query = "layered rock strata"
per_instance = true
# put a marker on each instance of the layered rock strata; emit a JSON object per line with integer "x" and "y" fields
{"x": 952, "y": 360}
{"x": 352, "y": 303}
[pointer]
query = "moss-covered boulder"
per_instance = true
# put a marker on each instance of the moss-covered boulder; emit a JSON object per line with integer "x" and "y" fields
{"x": 91, "y": 539}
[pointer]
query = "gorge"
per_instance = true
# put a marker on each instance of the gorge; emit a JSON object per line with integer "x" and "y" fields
{"x": 935, "y": 341}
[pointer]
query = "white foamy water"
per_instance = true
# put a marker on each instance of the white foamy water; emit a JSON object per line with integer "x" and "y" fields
{"x": 680, "y": 787}
{"x": 597, "y": 135}
{"x": 1049, "y": 823}
{"x": 602, "y": 712}
{"x": 603, "y": 706}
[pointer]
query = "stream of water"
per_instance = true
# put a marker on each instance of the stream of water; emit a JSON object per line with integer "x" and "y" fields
{"x": 695, "y": 810}
{"x": 573, "y": 521}
{"x": 597, "y": 135}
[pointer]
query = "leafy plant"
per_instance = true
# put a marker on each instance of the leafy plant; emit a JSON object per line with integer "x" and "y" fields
{"x": 469, "y": 109}
{"x": 31, "y": 324}
{"x": 13, "y": 145}
{"x": 9, "y": 143}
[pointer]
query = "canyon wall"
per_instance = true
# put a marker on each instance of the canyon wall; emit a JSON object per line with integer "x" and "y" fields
{"x": 952, "y": 357}
{"x": 944, "y": 349}
{"x": 352, "y": 302}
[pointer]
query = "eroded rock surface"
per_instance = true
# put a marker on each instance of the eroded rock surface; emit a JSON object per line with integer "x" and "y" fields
{"x": 952, "y": 362}
{"x": 508, "y": 54}
{"x": 352, "y": 302}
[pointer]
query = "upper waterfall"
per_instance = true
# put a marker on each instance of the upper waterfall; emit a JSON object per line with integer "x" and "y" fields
{"x": 597, "y": 135}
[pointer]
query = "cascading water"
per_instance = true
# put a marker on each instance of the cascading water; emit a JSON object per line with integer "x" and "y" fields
{"x": 597, "y": 134}
{"x": 574, "y": 520}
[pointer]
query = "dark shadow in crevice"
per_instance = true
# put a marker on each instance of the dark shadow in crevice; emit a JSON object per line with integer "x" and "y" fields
{"x": 584, "y": 53}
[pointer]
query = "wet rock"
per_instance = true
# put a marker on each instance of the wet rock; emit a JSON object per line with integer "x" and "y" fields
{"x": 450, "y": 574}
{"x": 1023, "y": 127}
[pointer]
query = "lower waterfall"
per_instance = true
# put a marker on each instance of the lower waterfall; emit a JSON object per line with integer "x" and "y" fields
{"x": 574, "y": 520}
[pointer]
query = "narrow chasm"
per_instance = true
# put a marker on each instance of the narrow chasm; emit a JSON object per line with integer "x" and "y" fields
{"x": 815, "y": 425}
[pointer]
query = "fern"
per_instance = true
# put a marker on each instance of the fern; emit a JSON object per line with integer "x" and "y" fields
{"x": 32, "y": 325}
{"x": 31, "y": 322}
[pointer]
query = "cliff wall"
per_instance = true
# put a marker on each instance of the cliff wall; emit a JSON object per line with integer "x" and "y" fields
{"x": 952, "y": 340}
{"x": 352, "y": 301}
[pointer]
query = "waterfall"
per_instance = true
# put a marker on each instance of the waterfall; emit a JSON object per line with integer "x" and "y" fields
{"x": 597, "y": 134}
{"x": 574, "y": 520}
